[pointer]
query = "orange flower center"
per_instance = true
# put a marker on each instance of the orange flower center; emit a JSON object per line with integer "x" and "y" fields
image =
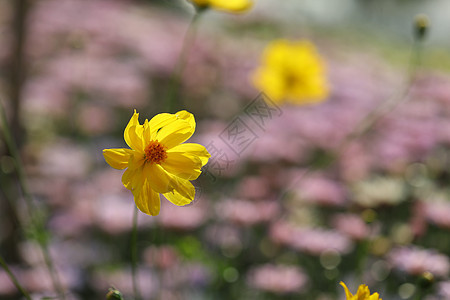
{"x": 155, "y": 152}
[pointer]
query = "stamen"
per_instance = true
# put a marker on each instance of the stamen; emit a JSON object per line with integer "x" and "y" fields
{"x": 155, "y": 152}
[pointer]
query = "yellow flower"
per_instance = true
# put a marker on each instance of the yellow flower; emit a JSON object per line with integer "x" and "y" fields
{"x": 292, "y": 71}
{"x": 363, "y": 293}
{"x": 233, "y": 6}
{"x": 159, "y": 162}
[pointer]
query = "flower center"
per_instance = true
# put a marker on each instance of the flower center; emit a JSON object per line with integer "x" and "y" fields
{"x": 291, "y": 80}
{"x": 155, "y": 152}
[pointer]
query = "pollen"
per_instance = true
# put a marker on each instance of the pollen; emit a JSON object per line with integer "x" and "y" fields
{"x": 155, "y": 152}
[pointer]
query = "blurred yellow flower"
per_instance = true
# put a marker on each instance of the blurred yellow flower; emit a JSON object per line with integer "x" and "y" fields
{"x": 233, "y": 6}
{"x": 159, "y": 162}
{"x": 292, "y": 71}
{"x": 363, "y": 293}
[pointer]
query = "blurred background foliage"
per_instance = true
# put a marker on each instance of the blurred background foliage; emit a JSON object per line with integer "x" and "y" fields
{"x": 289, "y": 217}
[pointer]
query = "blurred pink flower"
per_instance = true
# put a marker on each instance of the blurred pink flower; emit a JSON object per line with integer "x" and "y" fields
{"x": 416, "y": 261}
{"x": 277, "y": 279}
{"x": 403, "y": 137}
{"x": 53, "y": 160}
{"x": 253, "y": 187}
{"x": 225, "y": 236}
{"x": 355, "y": 162}
{"x": 418, "y": 222}
{"x": 46, "y": 95}
{"x": 351, "y": 225}
{"x": 223, "y": 161}
{"x": 6, "y": 285}
{"x": 438, "y": 213}
{"x": 444, "y": 289}
{"x": 190, "y": 275}
{"x": 278, "y": 140}
{"x": 273, "y": 147}
{"x": 320, "y": 190}
{"x": 69, "y": 223}
{"x": 163, "y": 257}
{"x": 112, "y": 213}
{"x": 128, "y": 87}
{"x": 444, "y": 133}
{"x": 58, "y": 195}
{"x": 247, "y": 213}
{"x": 314, "y": 241}
{"x": 433, "y": 87}
{"x": 183, "y": 218}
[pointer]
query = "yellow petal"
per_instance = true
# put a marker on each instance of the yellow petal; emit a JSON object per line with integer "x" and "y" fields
{"x": 159, "y": 121}
{"x": 192, "y": 149}
{"x": 134, "y": 121}
{"x": 347, "y": 292}
{"x": 187, "y": 116}
{"x": 235, "y": 6}
{"x": 117, "y": 158}
{"x": 362, "y": 292}
{"x": 183, "y": 165}
{"x": 175, "y": 133}
{"x": 375, "y": 296}
{"x": 183, "y": 194}
{"x": 136, "y": 138}
{"x": 141, "y": 199}
{"x": 159, "y": 180}
{"x": 292, "y": 71}
{"x": 136, "y": 161}
{"x": 154, "y": 202}
{"x": 126, "y": 179}
{"x": 147, "y": 200}
{"x": 147, "y": 137}
{"x": 133, "y": 179}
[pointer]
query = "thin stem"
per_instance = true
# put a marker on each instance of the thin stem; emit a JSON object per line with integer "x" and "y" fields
{"x": 15, "y": 154}
{"x": 53, "y": 274}
{"x": 174, "y": 85}
{"x": 418, "y": 296}
{"x": 18, "y": 64}
{"x": 420, "y": 292}
{"x": 391, "y": 103}
{"x": 384, "y": 108}
{"x": 14, "y": 279}
{"x": 30, "y": 207}
{"x": 137, "y": 293}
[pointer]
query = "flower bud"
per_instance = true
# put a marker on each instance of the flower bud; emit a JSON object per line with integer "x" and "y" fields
{"x": 421, "y": 25}
{"x": 426, "y": 280}
{"x": 114, "y": 294}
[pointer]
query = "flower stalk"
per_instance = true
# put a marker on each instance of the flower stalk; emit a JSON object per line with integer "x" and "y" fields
{"x": 35, "y": 220}
{"x": 136, "y": 289}
{"x": 172, "y": 96}
{"x": 14, "y": 279}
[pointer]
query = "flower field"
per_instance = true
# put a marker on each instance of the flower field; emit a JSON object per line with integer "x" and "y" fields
{"x": 213, "y": 149}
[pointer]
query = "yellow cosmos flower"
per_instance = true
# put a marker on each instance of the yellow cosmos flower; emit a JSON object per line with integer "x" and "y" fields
{"x": 292, "y": 71}
{"x": 233, "y": 6}
{"x": 159, "y": 162}
{"x": 363, "y": 293}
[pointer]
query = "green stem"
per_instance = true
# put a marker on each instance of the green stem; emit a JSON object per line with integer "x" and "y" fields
{"x": 14, "y": 279}
{"x": 418, "y": 296}
{"x": 31, "y": 208}
{"x": 388, "y": 105}
{"x": 175, "y": 81}
{"x": 361, "y": 256}
{"x": 384, "y": 108}
{"x": 137, "y": 293}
